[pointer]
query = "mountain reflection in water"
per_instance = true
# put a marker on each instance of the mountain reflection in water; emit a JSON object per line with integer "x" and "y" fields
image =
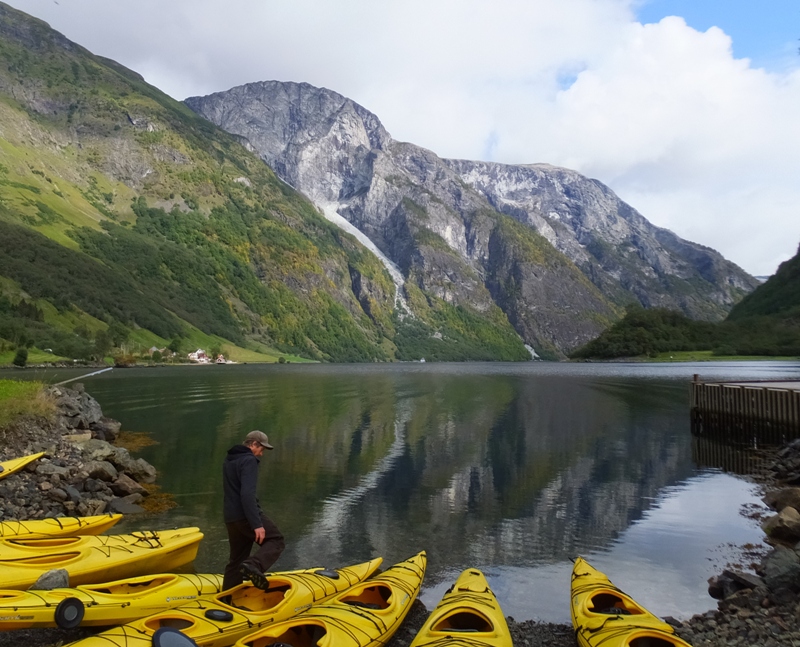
{"x": 511, "y": 468}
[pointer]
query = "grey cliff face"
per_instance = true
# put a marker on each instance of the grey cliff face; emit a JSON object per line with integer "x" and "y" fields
{"x": 290, "y": 124}
{"x": 557, "y": 252}
{"x": 625, "y": 255}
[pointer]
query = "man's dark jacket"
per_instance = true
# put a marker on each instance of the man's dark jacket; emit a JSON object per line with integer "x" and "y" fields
{"x": 239, "y": 479}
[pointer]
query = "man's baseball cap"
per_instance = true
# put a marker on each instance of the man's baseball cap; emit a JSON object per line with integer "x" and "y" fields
{"x": 259, "y": 437}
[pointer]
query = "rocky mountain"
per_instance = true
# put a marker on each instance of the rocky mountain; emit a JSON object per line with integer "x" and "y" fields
{"x": 126, "y": 220}
{"x": 625, "y": 255}
{"x": 559, "y": 253}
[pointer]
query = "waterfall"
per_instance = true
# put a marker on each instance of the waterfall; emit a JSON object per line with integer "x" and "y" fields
{"x": 533, "y": 353}
{"x": 330, "y": 211}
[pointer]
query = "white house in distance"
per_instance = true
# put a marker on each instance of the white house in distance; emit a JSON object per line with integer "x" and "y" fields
{"x": 199, "y": 356}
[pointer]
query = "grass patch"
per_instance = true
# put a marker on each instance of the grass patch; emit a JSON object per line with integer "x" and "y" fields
{"x": 35, "y": 356}
{"x": 23, "y": 399}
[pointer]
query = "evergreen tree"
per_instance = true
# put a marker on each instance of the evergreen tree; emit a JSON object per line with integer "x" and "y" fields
{"x": 21, "y": 358}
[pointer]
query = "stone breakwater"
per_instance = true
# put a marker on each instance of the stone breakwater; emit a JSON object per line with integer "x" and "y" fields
{"x": 81, "y": 473}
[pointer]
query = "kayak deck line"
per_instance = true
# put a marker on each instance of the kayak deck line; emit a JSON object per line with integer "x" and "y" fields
{"x": 57, "y": 526}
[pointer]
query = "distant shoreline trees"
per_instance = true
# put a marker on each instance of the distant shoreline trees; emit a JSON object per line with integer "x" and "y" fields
{"x": 650, "y": 332}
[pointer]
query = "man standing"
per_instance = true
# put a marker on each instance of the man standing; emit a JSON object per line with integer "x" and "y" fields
{"x": 244, "y": 519}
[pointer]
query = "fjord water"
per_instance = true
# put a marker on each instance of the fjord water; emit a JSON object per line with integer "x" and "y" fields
{"x": 511, "y": 468}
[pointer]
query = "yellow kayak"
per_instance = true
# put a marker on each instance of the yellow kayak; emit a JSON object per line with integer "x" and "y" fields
{"x": 366, "y": 615}
{"x": 110, "y": 603}
{"x": 218, "y": 622}
{"x": 58, "y": 526}
{"x": 16, "y": 464}
{"x": 604, "y": 616}
{"x": 89, "y": 560}
{"x": 468, "y": 616}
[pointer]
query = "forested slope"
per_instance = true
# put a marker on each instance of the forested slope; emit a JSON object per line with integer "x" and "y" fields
{"x": 766, "y": 322}
{"x": 779, "y": 296}
{"x": 124, "y": 215}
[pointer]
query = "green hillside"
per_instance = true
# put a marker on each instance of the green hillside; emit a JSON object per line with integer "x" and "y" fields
{"x": 127, "y": 221}
{"x": 765, "y": 323}
{"x": 779, "y": 296}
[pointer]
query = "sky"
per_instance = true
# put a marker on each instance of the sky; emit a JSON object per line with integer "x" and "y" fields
{"x": 687, "y": 109}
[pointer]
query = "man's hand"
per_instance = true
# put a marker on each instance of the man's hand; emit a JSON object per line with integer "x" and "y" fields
{"x": 260, "y": 534}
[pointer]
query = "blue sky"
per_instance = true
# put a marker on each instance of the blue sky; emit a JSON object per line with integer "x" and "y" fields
{"x": 765, "y": 31}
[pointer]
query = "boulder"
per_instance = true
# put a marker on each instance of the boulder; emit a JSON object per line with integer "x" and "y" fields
{"x": 57, "y": 494}
{"x": 48, "y": 469}
{"x": 92, "y": 485}
{"x": 784, "y": 526}
{"x": 95, "y": 506}
{"x": 121, "y": 458}
{"x": 125, "y": 485}
{"x": 72, "y": 493}
{"x": 90, "y": 409}
{"x": 744, "y": 580}
{"x": 123, "y": 506}
{"x": 97, "y": 450}
{"x": 78, "y": 438}
{"x": 58, "y": 578}
{"x": 102, "y": 470}
{"x": 142, "y": 471}
{"x": 780, "y": 499}
{"x": 741, "y": 602}
{"x": 105, "y": 429}
{"x": 782, "y": 570}
{"x": 729, "y": 583}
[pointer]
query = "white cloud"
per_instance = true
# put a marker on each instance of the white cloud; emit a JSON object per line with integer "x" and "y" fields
{"x": 695, "y": 139}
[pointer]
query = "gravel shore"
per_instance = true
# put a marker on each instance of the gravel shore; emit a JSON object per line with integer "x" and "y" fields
{"x": 756, "y": 609}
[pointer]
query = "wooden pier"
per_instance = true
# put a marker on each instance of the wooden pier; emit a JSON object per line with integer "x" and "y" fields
{"x": 746, "y": 413}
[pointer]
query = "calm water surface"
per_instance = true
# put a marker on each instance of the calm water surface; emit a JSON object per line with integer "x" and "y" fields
{"x": 511, "y": 468}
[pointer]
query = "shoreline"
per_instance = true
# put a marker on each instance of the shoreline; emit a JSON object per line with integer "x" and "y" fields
{"x": 616, "y": 360}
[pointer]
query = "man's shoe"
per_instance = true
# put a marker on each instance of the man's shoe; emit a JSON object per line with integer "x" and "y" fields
{"x": 250, "y": 572}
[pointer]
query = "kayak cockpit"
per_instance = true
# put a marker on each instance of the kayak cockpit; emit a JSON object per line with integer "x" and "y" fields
{"x": 250, "y": 598}
{"x": 463, "y": 621}
{"x": 127, "y": 587}
{"x": 370, "y": 597}
{"x": 612, "y": 604}
{"x": 305, "y": 634}
{"x": 174, "y": 622}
